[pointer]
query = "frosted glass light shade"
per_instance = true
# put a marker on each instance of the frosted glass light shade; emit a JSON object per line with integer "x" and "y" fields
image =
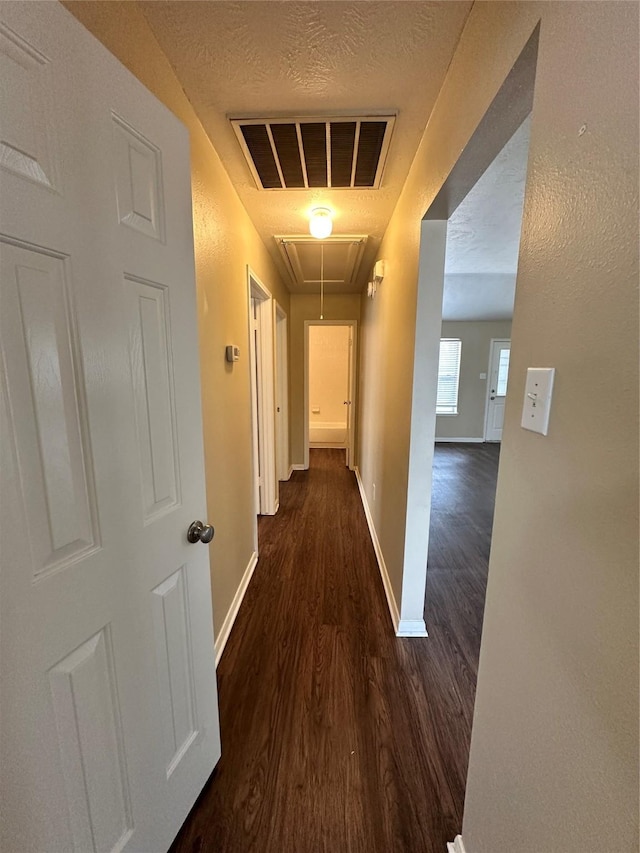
{"x": 320, "y": 224}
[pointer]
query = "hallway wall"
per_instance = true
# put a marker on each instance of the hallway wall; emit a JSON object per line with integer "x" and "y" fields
{"x": 554, "y": 754}
{"x": 225, "y": 242}
{"x": 472, "y": 392}
{"x": 343, "y": 306}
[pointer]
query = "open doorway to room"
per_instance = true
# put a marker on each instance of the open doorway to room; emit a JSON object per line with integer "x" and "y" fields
{"x": 330, "y": 386}
{"x": 481, "y": 258}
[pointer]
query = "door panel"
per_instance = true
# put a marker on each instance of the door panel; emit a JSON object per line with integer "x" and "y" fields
{"x": 45, "y": 390}
{"x": 89, "y": 727}
{"x": 28, "y": 147}
{"x": 498, "y": 376}
{"x": 152, "y": 374}
{"x": 138, "y": 174}
{"x": 106, "y": 628}
{"x": 175, "y": 667}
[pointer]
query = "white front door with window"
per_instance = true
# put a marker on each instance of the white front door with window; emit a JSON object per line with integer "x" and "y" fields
{"x": 108, "y": 690}
{"x": 497, "y": 388}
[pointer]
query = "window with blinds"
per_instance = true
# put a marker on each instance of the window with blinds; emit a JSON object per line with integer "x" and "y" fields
{"x": 448, "y": 376}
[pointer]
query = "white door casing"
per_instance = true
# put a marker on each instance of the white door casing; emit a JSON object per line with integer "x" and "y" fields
{"x": 263, "y": 381}
{"x": 496, "y": 388}
{"x": 108, "y": 703}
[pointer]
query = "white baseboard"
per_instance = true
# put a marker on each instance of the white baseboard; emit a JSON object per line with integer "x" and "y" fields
{"x": 290, "y": 472}
{"x": 227, "y": 625}
{"x": 299, "y": 466}
{"x": 452, "y": 440}
{"x": 384, "y": 574}
{"x": 456, "y": 846}
{"x": 411, "y": 628}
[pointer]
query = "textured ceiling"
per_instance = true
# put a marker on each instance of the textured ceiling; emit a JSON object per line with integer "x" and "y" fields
{"x": 237, "y": 59}
{"x": 483, "y": 238}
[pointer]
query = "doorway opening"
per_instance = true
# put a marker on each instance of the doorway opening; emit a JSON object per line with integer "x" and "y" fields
{"x": 263, "y": 393}
{"x": 507, "y": 114}
{"x": 480, "y": 269}
{"x": 330, "y": 386}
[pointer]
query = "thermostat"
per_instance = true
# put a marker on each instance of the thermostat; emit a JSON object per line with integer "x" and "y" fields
{"x": 232, "y": 353}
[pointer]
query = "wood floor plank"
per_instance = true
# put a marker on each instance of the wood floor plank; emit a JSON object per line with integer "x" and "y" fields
{"x": 338, "y": 737}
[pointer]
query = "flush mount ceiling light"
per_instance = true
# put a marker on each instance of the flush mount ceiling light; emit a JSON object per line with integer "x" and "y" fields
{"x": 320, "y": 224}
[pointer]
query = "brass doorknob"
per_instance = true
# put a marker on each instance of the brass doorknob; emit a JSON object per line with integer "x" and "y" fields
{"x": 199, "y": 532}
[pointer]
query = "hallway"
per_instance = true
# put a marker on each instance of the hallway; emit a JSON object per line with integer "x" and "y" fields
{"x": 166, "y": 165}
{"x": 336, "y": 735}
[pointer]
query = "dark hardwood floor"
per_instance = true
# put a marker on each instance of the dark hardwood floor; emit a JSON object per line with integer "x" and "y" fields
{"x": 337, "y": 736}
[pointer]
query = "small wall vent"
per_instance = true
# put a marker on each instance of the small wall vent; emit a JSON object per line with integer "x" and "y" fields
{"x": 286, "y": 153}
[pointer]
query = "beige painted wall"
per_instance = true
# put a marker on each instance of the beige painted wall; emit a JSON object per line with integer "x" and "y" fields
{"x": 554, "y": 757}
{"x": 328, "y": 374}
{"x": 472, "y": 391}
{"x": 225, "y": 242}
{"x": 345, "y": 306}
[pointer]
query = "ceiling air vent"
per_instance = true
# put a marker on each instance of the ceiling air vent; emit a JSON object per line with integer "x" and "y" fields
{"x": 285, "y": 153}
{"x": 338, "y": 266}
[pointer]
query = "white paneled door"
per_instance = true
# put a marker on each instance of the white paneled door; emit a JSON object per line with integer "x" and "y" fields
{"x": 497, "y": 390}
{"x": 109, "y": 721}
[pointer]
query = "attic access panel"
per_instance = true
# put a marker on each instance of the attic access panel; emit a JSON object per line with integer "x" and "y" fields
{"x": 342, "y": 258}
{"x": 289, "y": 153}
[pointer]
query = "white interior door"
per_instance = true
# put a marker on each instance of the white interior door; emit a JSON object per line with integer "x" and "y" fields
{"x": 497, "y": 388}
{"x": 254, "y": 357}
{"x": 282, "y": 395}
{"x": 108, "y": 703}
{"x": 351, "y": 400}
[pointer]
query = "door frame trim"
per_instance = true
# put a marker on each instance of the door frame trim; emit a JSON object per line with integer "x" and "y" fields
{"x": 353, "y": 324}
{"x": 261, "y": 375}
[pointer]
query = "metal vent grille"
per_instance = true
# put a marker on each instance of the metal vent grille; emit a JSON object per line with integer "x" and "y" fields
{"x": 341, "y": 258}
{"x": 286, "y": 153}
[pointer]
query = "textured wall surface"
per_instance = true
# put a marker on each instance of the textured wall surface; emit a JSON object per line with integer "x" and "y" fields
{"x": 225, "y": 242}
{"x": 328, "y": 374}
{"x": 344, "y": 306}
{"x": 554, "y": 757}
{"x": 472, "y": 391}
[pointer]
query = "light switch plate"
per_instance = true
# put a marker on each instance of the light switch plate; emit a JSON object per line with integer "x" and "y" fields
{"x": 537, "y": 399}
